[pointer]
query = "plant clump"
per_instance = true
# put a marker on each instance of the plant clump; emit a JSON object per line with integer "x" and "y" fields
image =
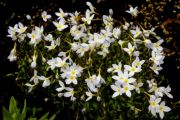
{"x": 94, "y": 62}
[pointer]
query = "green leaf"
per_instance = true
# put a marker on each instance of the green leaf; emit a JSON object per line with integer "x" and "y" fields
{"x": 6, "y": 114}
{"x": 120, "y": 117}
{"x": 23, "y": 114}
{"x": 13, "y": 106}
{"x": 44, "y": 117}
{"x": 32, "y": 118}
{"x": 53, "y": 117}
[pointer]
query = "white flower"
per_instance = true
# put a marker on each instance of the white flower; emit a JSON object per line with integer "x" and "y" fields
{"x": 100, "y": 79}
{"x": 88, "y": 18}
{"x": 62, "y": 54}
{"x": 76, "y": 33}
{"x": 60, "y": 94}
{"x": 39, "y": 30}
{"x": 45, "y": 16}
{"x": 104, "y": 50}
{"x": 74, "y": 18}
{"x": 12, "y": 56}
{"x": 157, "y": 90}
{"x": 119, "y": 77}
{"x": 76, "y": 69}
{"x": 34, "y": 58}
{"x": 137, "y": 86}
{"x": 61, "y": 62}
{"x": 136, "y": 53}
{"x": 167, "y": 90}
{"x": 118, "y": 90}
{"x": 91, "y": 86}
{"x": 121, "y": 42}
{"x": 115, "y": 68}
{"x": 92, "y": 83}
{"x": 83, "y": 48}
{"x": 136, "y": 32}
{"x": 71, "y": 79}
{"x": 43, "y": 58}
{"x": 107, "y": 35}
{"x": 12, "y": 32}
{"x": 156, "y": 68}
{"x": 35, "y": 78}
{"x": 136, "y": 66}
{"x": 52, "y": 63}
{"x": 154, "y": 104}
{"x": 21, "y": 37}
{"x": 28, "y": 17}
{"x": 96, "y": 41}
{"x": 157, "y": 58}
{"x": 71, "y": 73}
{"x": 127, "y": 89}
{"x": 148, "y": 32}
{"x": 75, "y": 46}
{"x": 30, "y": 87}
{"x": 126, "y": 26}
{"x": 21, "y": 28}
{"x": 110, "y": 12}
{"x": 130, "y": 49}
{"x": 162, "y": 108}
{"x": 151, "y": 83}
{"x": 90, "y": 6}
{"x": 133, "y": 11}
{"x": 98, "y": 98}
{"x": 147, "y": 43}
{"x": 61, "y": 88}
{"x": 70, "y": 93}
{"x": 132, "y": 69}
{"x": 137, "y": 62}
{"x": 61, "y": 14}
{"x": 157, "y": 46}
{"x": 107, "y": 20}
{"x": 52, "y": 46}
{"x": 49, "y": 37}
{"x": 60, "y": 25}
{"x": 116, "y": 32}
{"x": 90, "y": 95}
{"x": 34, "y": 36}
{"x": 46, "y": 81}
{"x": 127, "y": 78}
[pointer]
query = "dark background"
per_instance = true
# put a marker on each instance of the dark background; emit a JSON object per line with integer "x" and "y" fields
{"x": 13, "y": 11}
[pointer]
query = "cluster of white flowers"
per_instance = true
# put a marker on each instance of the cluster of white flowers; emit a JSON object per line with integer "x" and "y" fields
{"x": 157, "y": 56}
{"x": 68, "y": 73}
{"x": 94, "y": 82}
{"x": 155, "y": 99}
{"x": 125, "y": 82}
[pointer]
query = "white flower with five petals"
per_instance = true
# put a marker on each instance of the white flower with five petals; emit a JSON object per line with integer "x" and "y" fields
{"x": 45, "y": 16}
{"x": 162, "y": 108}
{"x": 133, "y": 11}
{"x": 60, "y": 25}
{"x": 88, "y": 18}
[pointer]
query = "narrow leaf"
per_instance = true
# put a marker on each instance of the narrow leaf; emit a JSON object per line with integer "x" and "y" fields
{"x": 44, "y": 117}
{"x": 13, "y": 106}
{"x": 6, "y": 114}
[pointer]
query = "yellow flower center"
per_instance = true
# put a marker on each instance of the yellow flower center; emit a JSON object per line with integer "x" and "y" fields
{"x": 72, "y": 77}
{"x": 153, "y": 104}
{"x": 133, "y": 69}
{"x": 126, "y": 88}
{"x": 161, "y": 108}
{"x": 33, "y": 36}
